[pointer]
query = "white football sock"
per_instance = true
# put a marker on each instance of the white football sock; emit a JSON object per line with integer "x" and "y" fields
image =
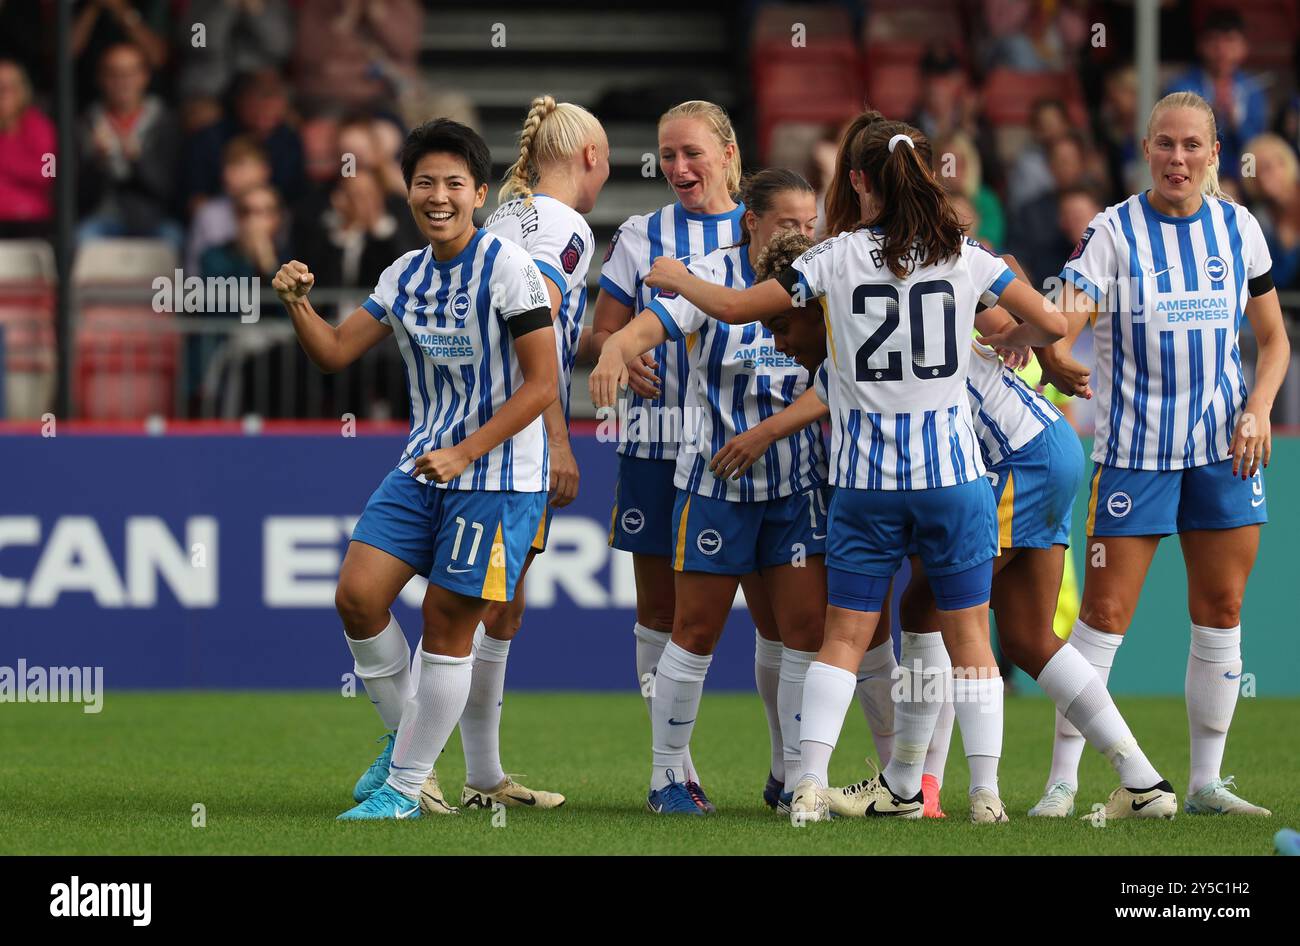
{"x": 1213, "y": 683}
{"x": 875, "y": 686}
{"x": 921, "y": 695}
{"x": 1098, "y": 648}
{"x": 382, "y": 663}
{"x": 827, "y": 693}
{"x": 428, "y": 719}
{"x": 936, "y": 757}
{"x": 767, "y": 677}
{"x": 649, "y": 646}
{"x": 978, "y": 704}
{"x": 480, "y": 724}
{"x": 1081, "y": 697}
{"x": 679, "y": 684}
{"x": 794, "y": 671}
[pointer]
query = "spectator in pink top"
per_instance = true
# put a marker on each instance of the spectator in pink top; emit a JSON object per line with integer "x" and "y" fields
{"x": 26, "y": 175}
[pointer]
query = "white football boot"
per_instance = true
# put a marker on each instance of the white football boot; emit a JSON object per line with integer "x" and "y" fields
{"x": 987, "y": 808}
{"x": 510, "y": 794}
{"x": 1157, "y": 802}
{"x": 1057, "y": 802}
{"x": 810, "y": 802}
{"x": 1214, "y": 798}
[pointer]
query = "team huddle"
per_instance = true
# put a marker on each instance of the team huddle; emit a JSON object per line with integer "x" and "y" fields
{"x": 732, "y": 338}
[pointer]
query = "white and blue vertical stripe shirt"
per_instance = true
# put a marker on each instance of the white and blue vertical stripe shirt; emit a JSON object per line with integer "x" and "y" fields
{"x": 1007, "y": 413}
{"x": 449, "y": 319}
{"x": 898, "y": 353}
{"x": 737, "y": 379}
{"x": 1170, "y": 294}
{"x": 653, "y": 423}
{"x": 560, "y": 243}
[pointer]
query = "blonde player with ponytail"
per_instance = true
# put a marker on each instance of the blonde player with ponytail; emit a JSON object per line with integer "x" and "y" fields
{"x": 1180, "y": 444}
{"x": 563, "y": 164}
{"x": 700, "y": 160}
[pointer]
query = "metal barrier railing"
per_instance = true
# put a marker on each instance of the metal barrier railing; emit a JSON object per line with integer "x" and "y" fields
{"x": 131, "y": 361}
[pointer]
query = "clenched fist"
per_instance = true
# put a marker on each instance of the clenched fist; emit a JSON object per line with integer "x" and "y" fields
{"x": 293, "y": 282}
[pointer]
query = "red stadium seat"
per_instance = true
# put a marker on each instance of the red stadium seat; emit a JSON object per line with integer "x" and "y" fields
{"x": 811, "y": 91}
{"x": 27, "y": 320}
{"x": 1009, "y": 95}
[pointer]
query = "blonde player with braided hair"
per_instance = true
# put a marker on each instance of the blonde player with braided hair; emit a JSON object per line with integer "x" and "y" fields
{"x": 563, "y": 164}
{"x": 700, "y": 160}
{"x": 1166, "y": 276}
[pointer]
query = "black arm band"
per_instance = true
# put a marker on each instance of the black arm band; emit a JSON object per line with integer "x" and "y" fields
{"x": 980, "y": 307}
{"x": 530, "y": 321}
{"x": 1260, "y": 284}
{"x": 788, "y": 278}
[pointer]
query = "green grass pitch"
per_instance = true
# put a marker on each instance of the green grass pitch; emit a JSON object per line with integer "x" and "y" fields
{"x": 273, "y": 769}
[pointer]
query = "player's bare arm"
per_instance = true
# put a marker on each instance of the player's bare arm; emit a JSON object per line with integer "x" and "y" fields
{"x": 331, "y": 348}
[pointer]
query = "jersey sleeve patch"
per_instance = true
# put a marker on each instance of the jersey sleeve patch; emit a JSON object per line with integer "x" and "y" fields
{"x": 572, "y": 253}
{"x": 609, "y": 251}
{"x": 1081, "y": 245}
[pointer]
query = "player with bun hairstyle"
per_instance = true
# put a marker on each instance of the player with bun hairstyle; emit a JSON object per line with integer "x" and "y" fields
{"x": 563, "y": 164}
{"x": 1166, "y": 277}
{"x": 471, "y": 319}
{"x": 767, "y": 522}
{"x": 906, "y": 462}
{"x": 700, "y": 160}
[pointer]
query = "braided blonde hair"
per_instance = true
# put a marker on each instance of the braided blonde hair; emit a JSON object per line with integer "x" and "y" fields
{"x": 1209, "y": 186}
{"x": 720, "y": 124}
{"x": 552, "y": 132}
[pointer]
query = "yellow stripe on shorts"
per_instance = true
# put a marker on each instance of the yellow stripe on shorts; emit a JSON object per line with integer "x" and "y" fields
{"x": 679, "y": 557}
{"x": 1006, "y": 512}
{"x": 539, "y": 540}
{"x": 494, "y": 582}
{"x": 1092, "y": 502}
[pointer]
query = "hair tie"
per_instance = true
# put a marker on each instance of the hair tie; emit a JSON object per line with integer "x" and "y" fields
{"x": 893, "y": 142}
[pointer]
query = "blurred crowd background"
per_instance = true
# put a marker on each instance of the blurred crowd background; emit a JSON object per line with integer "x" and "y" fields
{"x": 222, "y": 137}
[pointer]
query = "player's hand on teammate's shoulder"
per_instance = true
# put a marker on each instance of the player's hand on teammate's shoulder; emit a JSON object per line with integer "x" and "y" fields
{"x": 667, "y": 273}
{"x": 442, "y": 466}
{"x": 739, "y": 453}
{"x": 293, "y": 281}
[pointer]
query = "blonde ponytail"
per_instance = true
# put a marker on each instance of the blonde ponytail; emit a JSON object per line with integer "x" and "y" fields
{"x": 720, "y": 124}
{"x": 1210, "y": 185}
{"x": 552, "y": 132}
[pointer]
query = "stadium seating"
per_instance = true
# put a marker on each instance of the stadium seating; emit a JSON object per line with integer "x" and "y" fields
{"x": 127, "y": 353}
{"x": 27, "y": 280}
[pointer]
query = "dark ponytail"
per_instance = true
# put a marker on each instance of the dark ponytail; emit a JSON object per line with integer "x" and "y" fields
{"x": 758, "y": 191}
{"x": 843, "y": 210}
{"x": 912, "y": 208}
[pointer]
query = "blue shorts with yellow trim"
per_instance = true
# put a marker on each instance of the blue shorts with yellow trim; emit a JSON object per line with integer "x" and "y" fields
{"x": 1164, "y": 502}
{"x": 543, "y": 534}
{"x": 952, "y": 528}
{"x": 1035, "y": 489}
{"x": 734, "y": 538}
{"x": 643, "y": 506}
{"x": 472, "y": 542}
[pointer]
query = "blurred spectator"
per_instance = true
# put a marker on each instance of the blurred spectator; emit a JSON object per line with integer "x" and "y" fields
{"x": 1031, "y": 178}
{"x": 1240, "y": 101}
{"x": 1034, "y": 35}
{"x": 243, "y": 167}
{"x": 1116, "y": 127}
{"x": 199, "y": 112}
{"x": 950, "y": 105}
{"x": 990, "y": 226}
{"x": 1077, "y": 207}
{"x": 239, "y": 36}
{"x": 969, "y": 217}
{"x": 364, "y": 145}
{"x": 26, "y": 178}
{"x": 260, "y": 109}
{"x": 129, "y": 143}
{"x": 253, "y": 251}
{"x": 357, "y": 52}
{"x": 100, "y": 24}
{"x": 1274, "y": 193}
{"x": 25, "y": 38}
{"x": 354, "y": 238}
{"x": 1035, "y": 236}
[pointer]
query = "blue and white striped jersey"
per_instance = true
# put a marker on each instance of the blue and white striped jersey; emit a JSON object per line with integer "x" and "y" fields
{"x": 449, "y": 319}
{"x": 560, "y": 243}
{"x": 653, "y": 424}
{"x": 1170, "y": 294}
{"x": 898, "y": 352}
{"x": 1007, "y": 412}
{"x": 736, "y": 379}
